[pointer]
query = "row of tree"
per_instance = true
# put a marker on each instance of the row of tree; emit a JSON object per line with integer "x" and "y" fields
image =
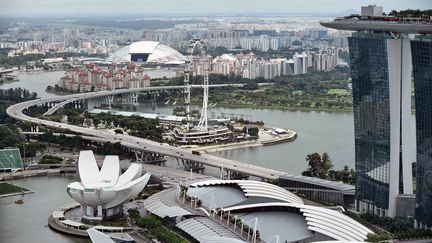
{"x": 9, "y": 133}
{"x": 138, "y": 126}
{"x": 412, "y": 13}
{"x": 10, "y": 97}
{"x": 50, "y": 159}
{"x": 155, "y": 228}
{"x": 320, "y": 166}
{"x": 395, "y": 228}
{"x": 78, "y": 143}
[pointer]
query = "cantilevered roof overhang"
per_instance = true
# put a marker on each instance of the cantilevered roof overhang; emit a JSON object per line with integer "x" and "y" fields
{"x": 396, "y": 27}
{"x": 322, "y": 220}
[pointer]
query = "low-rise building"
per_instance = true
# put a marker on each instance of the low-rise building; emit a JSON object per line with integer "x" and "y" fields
{"x": 104, "y": 77}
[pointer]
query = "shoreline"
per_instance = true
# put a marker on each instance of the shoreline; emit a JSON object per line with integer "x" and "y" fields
{"x": 284, "y": 138}
{"x": 58, "y": 92}
{"x": 30, "y": 173}
{"x": 282, "y": 108}
{"x": 15, "y": 194}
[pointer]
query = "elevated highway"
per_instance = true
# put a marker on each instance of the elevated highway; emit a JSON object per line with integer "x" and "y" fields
{"x": 62, "y": 101}
{"x": 334, "y": 192}
{"x": 135, "y": 143}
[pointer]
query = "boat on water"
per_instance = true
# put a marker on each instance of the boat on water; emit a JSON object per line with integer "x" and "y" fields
{"x": 19, "y": 201}
{"x": 8, "y": 78}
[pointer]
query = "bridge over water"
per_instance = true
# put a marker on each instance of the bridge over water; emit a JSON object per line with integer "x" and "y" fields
{"x": 336, "y": 190}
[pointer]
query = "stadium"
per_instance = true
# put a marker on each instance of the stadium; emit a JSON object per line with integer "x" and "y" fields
{"x": 147, "y": 52}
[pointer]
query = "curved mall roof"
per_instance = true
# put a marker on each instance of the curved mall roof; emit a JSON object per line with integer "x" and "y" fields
{"x": 323, "y": 220}
{"x": 277, "y": 210}
{"x": 150, "y": 51}
{"x": 255, "y": 189}
{"x": 106, "y": 187}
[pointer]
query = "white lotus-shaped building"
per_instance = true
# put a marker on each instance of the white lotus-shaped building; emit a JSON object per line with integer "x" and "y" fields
{"x": 102, "y": 193}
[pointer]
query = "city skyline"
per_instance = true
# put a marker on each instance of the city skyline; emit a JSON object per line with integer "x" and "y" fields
{"x": 252, "y": 121}
{"x": 47, "y": 8}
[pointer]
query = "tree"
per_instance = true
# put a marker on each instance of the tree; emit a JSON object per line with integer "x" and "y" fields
{"x": 313, "y": 164}
{"x": 318, "y": 166}
{"x": 253, "y": 131}
{"x": 346, "y": 175}
{"x": 325, "y": 166}
{"x": 50, "y": 159}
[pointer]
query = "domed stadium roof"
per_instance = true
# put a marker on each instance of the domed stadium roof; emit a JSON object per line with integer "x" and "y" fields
{"x": 147, "y": 51}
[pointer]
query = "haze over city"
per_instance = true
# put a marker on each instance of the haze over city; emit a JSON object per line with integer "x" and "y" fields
{"x": 46, "y": 8}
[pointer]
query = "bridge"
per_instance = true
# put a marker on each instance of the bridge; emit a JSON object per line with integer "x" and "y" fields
{"x": 135, "y": 143}
{"x": 331, "y": 191}
{"x": 60, "y": 102}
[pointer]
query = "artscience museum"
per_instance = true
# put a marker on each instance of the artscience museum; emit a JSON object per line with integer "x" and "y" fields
{"x": 102, "y": 193}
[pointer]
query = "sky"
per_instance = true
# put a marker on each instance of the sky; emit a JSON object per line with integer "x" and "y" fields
{"x": 123, "y": 7}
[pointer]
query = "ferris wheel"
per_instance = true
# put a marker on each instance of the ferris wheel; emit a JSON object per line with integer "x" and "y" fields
{"x": 196, "y": 44}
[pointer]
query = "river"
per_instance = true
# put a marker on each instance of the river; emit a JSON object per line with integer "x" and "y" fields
{"x": 331, "y": 132}
{"x": 28, "y": 222}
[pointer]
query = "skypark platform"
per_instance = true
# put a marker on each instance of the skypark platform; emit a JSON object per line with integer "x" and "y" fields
{"x": 373, "y": 19}
{"x": 406, "y": 27}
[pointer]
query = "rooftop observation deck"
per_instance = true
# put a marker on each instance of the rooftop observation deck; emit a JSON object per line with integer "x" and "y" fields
{"x": 381, "y": 23}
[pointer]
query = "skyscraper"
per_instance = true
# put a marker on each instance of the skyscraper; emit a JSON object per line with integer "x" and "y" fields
{"x": 422, "y": 72}
{"x": 381, "y": 79}
{"x": 381, "y": 68}
{"x": 300, "y": 63}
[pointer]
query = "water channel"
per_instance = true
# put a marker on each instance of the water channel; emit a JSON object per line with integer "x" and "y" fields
{"x": 331, "y": 132}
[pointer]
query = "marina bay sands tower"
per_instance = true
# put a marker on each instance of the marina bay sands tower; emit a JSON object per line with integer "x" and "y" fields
{"x": 381, "y": 58}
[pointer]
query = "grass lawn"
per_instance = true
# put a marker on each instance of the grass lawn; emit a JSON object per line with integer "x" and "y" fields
{"x": 342, "y": 92}
{"x": 6, "y": 188}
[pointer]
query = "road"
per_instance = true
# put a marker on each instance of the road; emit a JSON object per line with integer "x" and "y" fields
{"x": 135, "y": 143}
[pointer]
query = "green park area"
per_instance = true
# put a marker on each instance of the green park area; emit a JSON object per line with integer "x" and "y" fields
{"x": 318, "y": 91}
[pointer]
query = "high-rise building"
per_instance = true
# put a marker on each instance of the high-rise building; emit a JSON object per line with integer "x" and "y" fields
{"x": 381, "y": 66}
{"x": 381, "y": 79}
{"x": 300, "y": 63}
{"x": 288, "y": 67}
{"x": 422, "y": 71}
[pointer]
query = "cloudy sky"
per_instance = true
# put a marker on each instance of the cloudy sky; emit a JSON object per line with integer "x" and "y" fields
{"x": 102, "y": 7}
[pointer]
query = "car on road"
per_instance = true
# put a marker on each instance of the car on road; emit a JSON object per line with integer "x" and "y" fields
{"x": 196, "y": 152}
